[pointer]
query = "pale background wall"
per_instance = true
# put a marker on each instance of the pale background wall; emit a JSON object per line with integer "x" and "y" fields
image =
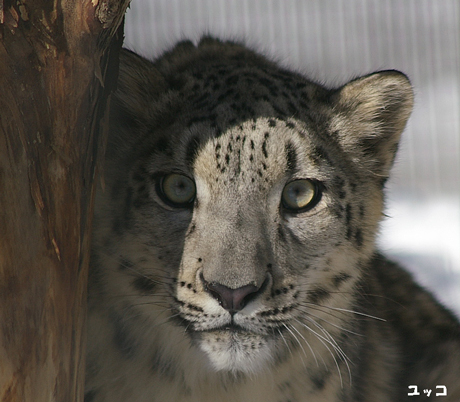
{"x": 333, "y": 41}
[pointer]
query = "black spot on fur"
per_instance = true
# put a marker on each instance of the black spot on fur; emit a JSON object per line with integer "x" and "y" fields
{"x": 304, "y": 96}
{"x": 348, "y": 215}
{"x": 264, "y": 149}
{"x": 291, "y": 156}
{"x": 340, "y": 278}
{"x": 194, "y": 308}
{"x": 144, "y": 284}
{"x": 359, "y": 237}
{"x": 338, "y": 211}
{"x": 322, "y": 154}
{"x": 319, "y": 379}
{"x": 292, "y": 108}
{"x": 349, "y": 233}
{"x": 202, "y": 98}
{"x": 272, "y": 123}
{"x": 318, "y": 295}
{"x": 339, "y": 183}
{"x": 264, "y": 145}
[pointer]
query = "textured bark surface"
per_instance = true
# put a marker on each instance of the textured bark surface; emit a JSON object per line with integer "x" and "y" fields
{"x": 58, "y": 63}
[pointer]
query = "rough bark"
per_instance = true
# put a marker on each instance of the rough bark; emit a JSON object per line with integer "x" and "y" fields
{"x": 58, "y": 62}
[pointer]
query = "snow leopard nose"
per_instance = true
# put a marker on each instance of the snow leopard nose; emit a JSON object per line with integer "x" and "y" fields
{"x": 232, "y": 300}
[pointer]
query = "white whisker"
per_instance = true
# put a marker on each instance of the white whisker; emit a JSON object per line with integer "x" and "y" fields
{"x": 308, "y": 344}
{"x": 319, "y": 306}
{"x": 283, "y": 338}
{"x": 297, "y": 340}
{"x": 326, "y": 333}
{"x": 357, "y": 313}
{"x": 307, "y": 311}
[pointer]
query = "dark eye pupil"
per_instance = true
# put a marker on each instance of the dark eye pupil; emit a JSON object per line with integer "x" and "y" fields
{"x": 296, "y": 191}
{"x": 180, "y": 188}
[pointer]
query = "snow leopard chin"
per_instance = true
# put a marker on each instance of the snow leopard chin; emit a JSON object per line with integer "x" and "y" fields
{"x": 237, "y": 352}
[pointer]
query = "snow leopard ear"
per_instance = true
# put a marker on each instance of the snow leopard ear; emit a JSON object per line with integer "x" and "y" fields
{"x": 139, "y": 83}
{"x": 369, "y": 116}
{"x": 133, "y": 104}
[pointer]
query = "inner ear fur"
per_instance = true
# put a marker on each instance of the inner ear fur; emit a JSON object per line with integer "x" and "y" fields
{"x": 369, "y": 116}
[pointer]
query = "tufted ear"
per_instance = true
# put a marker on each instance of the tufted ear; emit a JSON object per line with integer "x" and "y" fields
{"x": 369, "y": 114}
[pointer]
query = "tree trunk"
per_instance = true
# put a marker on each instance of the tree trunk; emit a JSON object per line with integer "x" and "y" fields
{"x": 58, "y": 63}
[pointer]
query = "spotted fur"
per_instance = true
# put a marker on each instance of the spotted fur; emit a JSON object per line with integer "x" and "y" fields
{"x": 236, "y": 296}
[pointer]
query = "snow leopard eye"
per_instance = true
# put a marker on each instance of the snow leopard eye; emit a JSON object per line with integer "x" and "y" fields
{"x": 177, "y": 190}
{"x": 300, "y": 195}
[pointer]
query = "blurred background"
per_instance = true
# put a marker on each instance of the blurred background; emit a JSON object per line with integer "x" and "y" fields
{"x": 332, "y": 41}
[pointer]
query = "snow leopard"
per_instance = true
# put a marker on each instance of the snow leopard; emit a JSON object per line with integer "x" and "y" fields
{"x": 234, "y": 244}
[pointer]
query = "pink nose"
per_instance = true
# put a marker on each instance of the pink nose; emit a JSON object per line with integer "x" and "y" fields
{"x": 232, "y": 300}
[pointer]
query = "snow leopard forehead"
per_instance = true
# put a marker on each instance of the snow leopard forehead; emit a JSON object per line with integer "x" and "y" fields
{"x": 257, "y": 155}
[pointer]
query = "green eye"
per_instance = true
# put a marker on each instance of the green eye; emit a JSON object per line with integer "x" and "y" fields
{"x": 177, "y": 190}
{"x": 300, "y": 194}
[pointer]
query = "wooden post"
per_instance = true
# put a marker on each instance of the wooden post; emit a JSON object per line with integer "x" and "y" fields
{"x": 58, "y": 62}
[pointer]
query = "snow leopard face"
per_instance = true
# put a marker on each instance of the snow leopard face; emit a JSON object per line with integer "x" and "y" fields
{"x": 241, "y": 204}
{"x": 263, "y": 241}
